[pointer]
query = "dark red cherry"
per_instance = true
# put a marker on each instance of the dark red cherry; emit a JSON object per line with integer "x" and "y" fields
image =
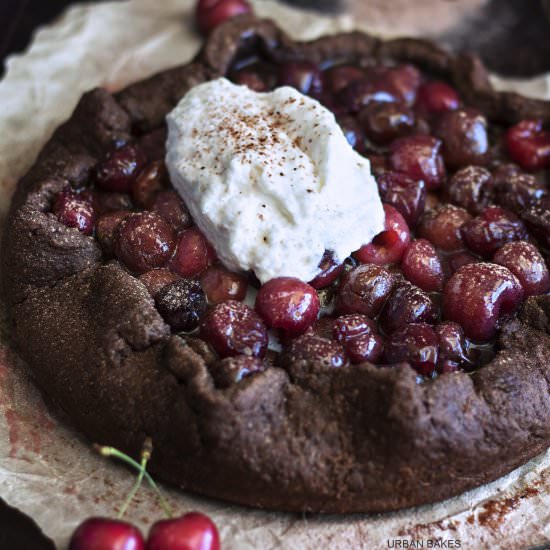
{"x": 73, "y": 211}
{"x": 419, "y": 157}
{"x": 458, "y": 259}
{"x": 407, "y": 304}
{"x": 212, "y": 13}
{"x": 106, "y": 534}
{"x": 442, "y": 227}
{"x": 193, "y": 253}
{"x": 537, "y": 219}
{"x": 106, "y": 229}
{"x": 232, "y": 370}
{"x": 365, "y": 290}
{"x": 406, "y": 195}
{"x": 464, "y": 136}
{"x": 120, "y": 169}
{"x": 289, "y": 304}
{"x": 340, "y": 76}
{"x": 150, "y": 181}
{"x": 360, "y": 338}
{"x": 389, "y": 246}
{"x": 143, "y": 241}
{"x": 492, "y": 229}
{"x": 156, "y": 279}
{"x": 405, "y": 80}
{"x": 416, "y": 343}
{"x": 221, "y": 285}
{"x": 302, "y": 75}
{"x": 314, "y": 349}
{"x": 233, "y": 328}
{"x": 453, "y": 346}
{"x": 422, "y": 266}
{"x": 519, "y": 191}
{"x": 478, "y": 295}
{"x": 168, "y": 204}
{"x": 383, "y": 122}
{"x": 181, "y": 304}
{"x": 362, "y": 92}
{"x": 330, "y": 271}
{"x": 527, "y": 264}
{"x": 471, "y": 188}
{"x": 193, "y": 531}
{"x": 436, "y": 97}
{"x": 529, "y": 145}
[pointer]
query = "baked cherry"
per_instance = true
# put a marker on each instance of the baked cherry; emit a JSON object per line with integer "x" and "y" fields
{"x": 330, "y": 271}
{"x": 152, "y": 179}
{"x": 212, "y": 13}
{"x": 106, "y": 228}
{"x": 312, "y": 348}
{"x": 406, "y": 195}
{"x": 339, "y": 77}
{"x": 442, "y": 227}
{"x": 436, "y": 97}
{"x": 288, "y": 304}
{"x": 472, "y": 188}
{"x": 362, "y": 92}
{"x": 527, "y": 264}
{"x": 106, "y": 534}
{"x": 143, "y": 241}
{"x": 422, "y": 266}
{"x": 464, "y": 136}
{"x": 156, "y": 279}
{"x": 193, "y": 253}
{"x": 232, "y": 370}
{"x": 181, "y": 304}
{"x": 302, "y": 75}
{"x": 456, "y": 260}
{"x": 106, "y": 201}
{"x": 365, "y": 290}
{"x": 383, "y": 122}
{"x": 192, "y": 531}
{"x": 529, "y": 145}
{"x": 478, "y": 295}
{"x": 221, "y": 285}
{"x": 416, "y": 343}
{"x": 388, "y": 246}
{"x": 73, "y": 211}
{"x": 404, "y": 79}
{"x": 537, "y": 219}
{"x": 519, "y": 191}
{"x": 420, "y": 158}
{"x": 492, "y": 229}
{"x": 169, "y": 205}
{"x": 360, "y": 338}
{"x": 453, "y": 347}
{"x": 407, "y": 304}
{"x": 120, "y": 168}
{"x": 233, "y": 328}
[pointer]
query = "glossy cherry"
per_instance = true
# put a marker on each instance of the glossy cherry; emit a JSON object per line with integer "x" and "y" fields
{"x": 383, "y": 122}
{"x": 472, "y": 188}
{"x": 436, "y": 97}
{"x": 181, "y": 304}
{"x": 289, "y": 304}
{"x": 340, "y": 76}
{"x": 106, "y": 534}
{"x": 106, "y": 228}
{"x": 168, "y": 204}
{"x": 120, "y": 168}
{"x": 212, "y": 13}
{"x": 232, "y": 370}
{"x": 156, "y": 279}
{"x": 193, "y": 253}
{"x": 221, "y": 285}
{"x": 406, "y": 195}
{"x": 330, "y": 271}
{"x": 192, "y": 531}
{"x": 478, "y": 295}
{"x": 72, "y": 211}
{"x": 152, "y": 179}
{"x": 442, "y": 227}
{"x": 529, "y": 145}
{"x": 302, "y": 75}
{"x": 422, "y": 266}
{"x": 359, "y": 336}
{"x": 312, "y": 348}
{"x": 389, "y": 246}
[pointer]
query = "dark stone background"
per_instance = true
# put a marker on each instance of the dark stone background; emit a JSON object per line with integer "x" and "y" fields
{"x": 512, "y": 36}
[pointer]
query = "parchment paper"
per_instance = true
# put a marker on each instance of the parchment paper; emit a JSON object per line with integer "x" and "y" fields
{"x": 46, "y": 469}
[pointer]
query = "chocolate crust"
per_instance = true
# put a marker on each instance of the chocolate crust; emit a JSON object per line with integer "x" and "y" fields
{"x": 298, "y": 436}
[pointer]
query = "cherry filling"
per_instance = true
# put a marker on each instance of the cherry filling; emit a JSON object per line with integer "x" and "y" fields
{"x": 466, "y": 237}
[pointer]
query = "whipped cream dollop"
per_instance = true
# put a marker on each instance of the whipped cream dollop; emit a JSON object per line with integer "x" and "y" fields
{"x": 270, "y": 179}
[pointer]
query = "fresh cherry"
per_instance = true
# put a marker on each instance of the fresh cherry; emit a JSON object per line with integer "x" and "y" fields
{"x": 181, "y": 304}
{"x": 193, "y": 253}
{"x": 529, "y": 145}
{"x": 388, "y": 246}
{"x": 365, "y": 290}
{"x": 233, "y": 328}
{"x": 288, "y": 304}
{"x": 73, "y": 211}
{"x": 422, "y": 266}
{"x": 527, "y": 264}
{"x": 419, "y": 157}
{"x": 192, "y": 531}
{"x": 120, "y": 168}
{"x": 478, "y": 295}
{"x": 106, "y": 534}
{"x": 143, "y": 241}
{"x": 442, "y": 227}
{"x": 212, "y": 13}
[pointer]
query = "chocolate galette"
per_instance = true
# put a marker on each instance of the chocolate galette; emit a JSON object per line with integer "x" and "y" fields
{"x": 427, "y": 372}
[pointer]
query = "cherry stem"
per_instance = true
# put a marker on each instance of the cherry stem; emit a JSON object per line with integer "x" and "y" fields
{"x": 141, "y": 468}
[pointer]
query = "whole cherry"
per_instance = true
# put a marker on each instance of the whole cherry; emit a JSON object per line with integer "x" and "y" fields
{"x": 106, "y": 534}
{"x": 212, "y": 13}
